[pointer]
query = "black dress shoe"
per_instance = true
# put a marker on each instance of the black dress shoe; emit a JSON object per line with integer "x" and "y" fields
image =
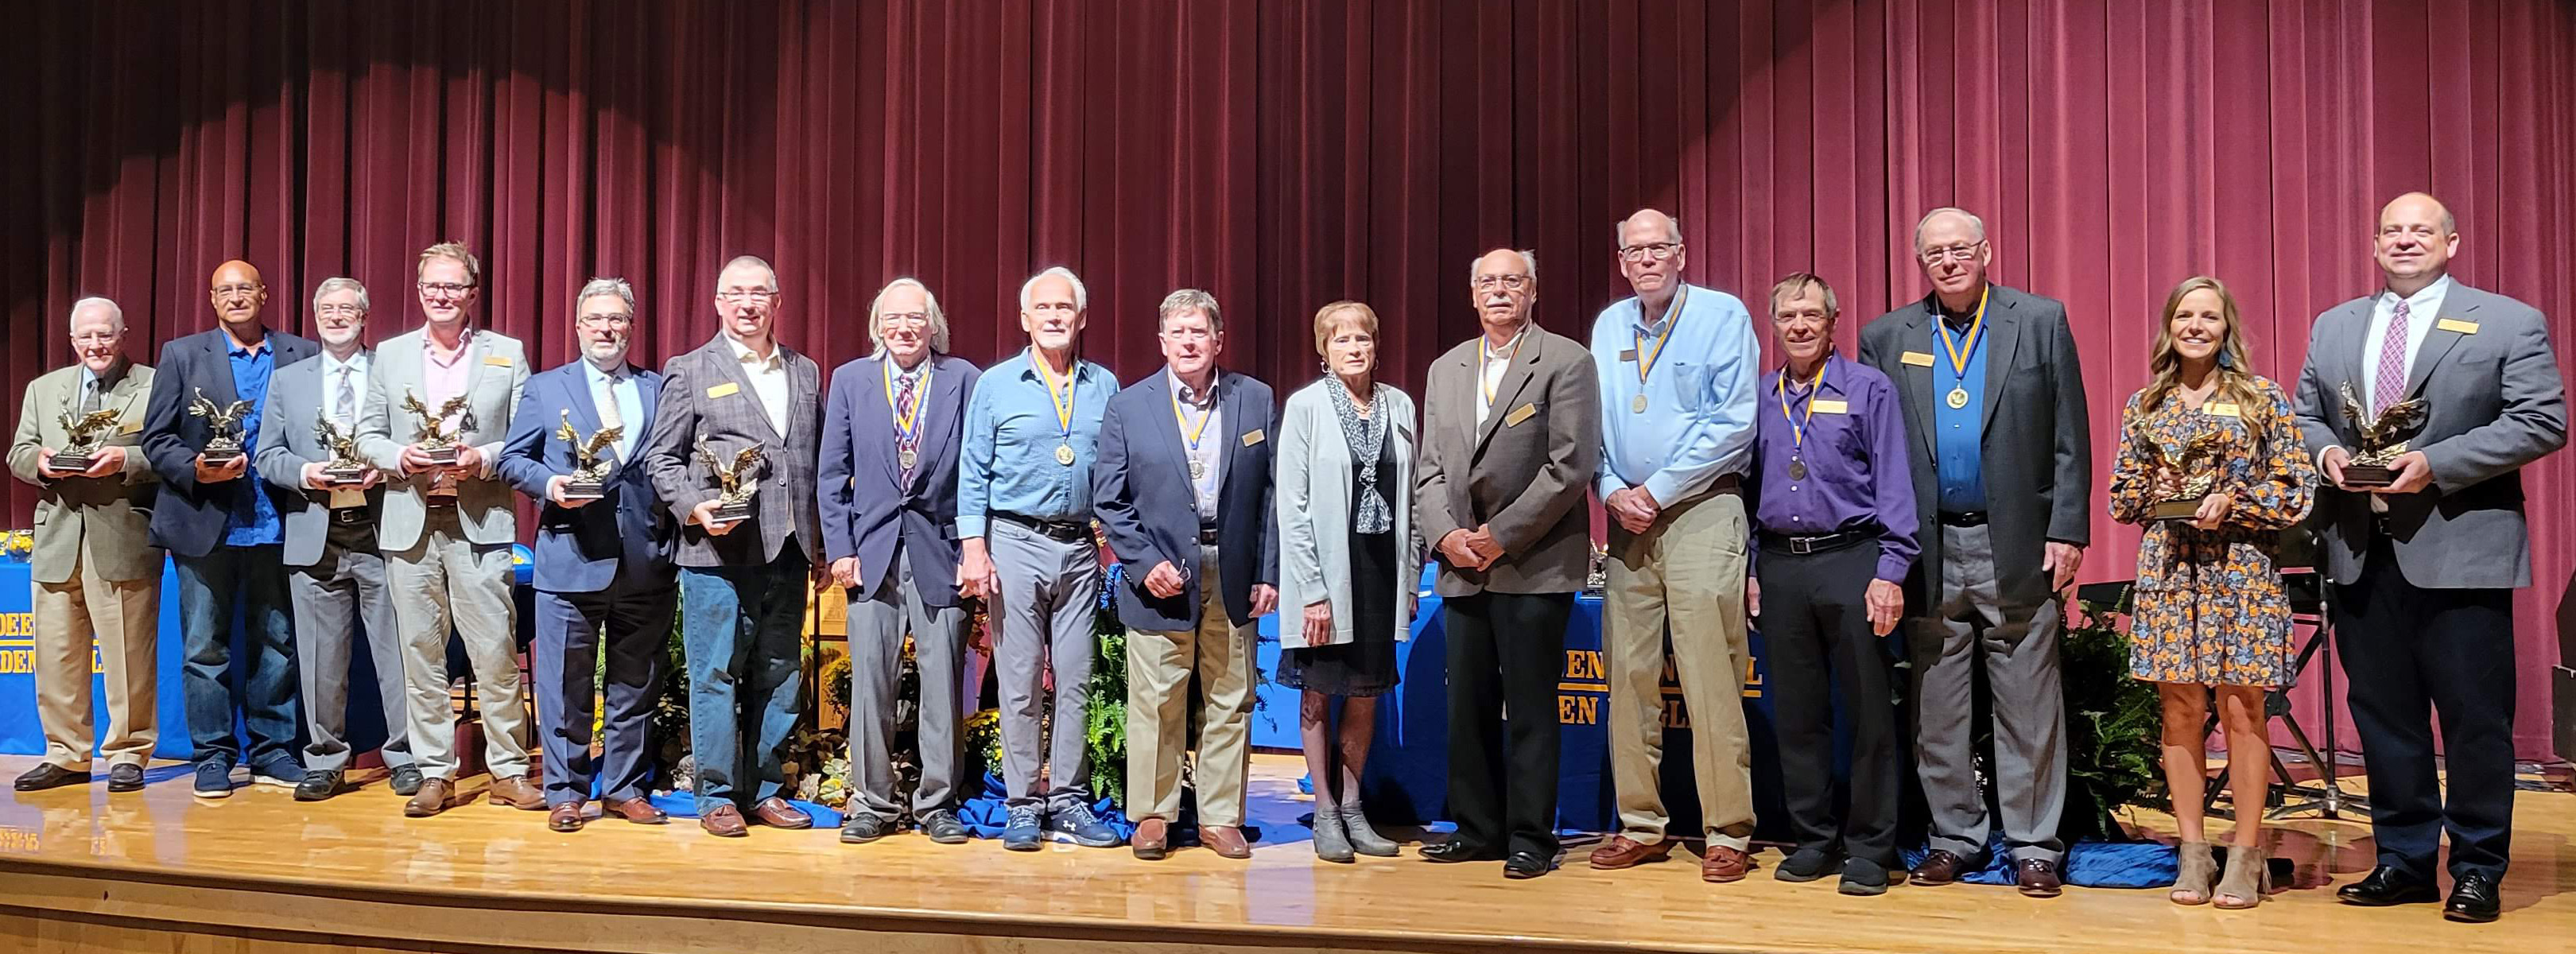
{"x": 1527, "y": 864}
{"x": 125, "y": 778}
{"x": 49, "y": 775}
{"x": 2386, "y": 886}
{"x": 318, "y": 784}
{"x": 1451, "y": 852}
{"x": 2473, "y": 898}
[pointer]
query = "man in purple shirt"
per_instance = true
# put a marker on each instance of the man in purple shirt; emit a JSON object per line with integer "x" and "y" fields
{"x": 1834, "y": 522}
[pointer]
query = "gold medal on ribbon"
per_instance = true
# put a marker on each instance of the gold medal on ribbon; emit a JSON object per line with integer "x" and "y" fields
{"x": 908, "y": 458}
{"x": 1645, "y": 358}
{"x": 1064, "y": 454}
{"x": 1191, "y": 435}
{"x": 1797, "y": 469}
{"x": 1798, "y": 426}
{"x": 1958, "y": 397}
{"x": 1961, "y": 350}
{"x": 1637, "y": 404}
{"x": 1063, "y": 403}
{"x": 1198, "y": 470}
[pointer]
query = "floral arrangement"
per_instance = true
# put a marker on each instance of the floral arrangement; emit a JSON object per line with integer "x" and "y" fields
{"x": 17, "y": 543}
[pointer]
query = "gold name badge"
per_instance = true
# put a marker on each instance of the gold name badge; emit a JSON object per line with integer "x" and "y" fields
{"x": 1254, "y": 436}
{"x": 2222, "y": 409}
{"x": 1920, "y": 359}
{"x": 727, "y": 389}
{"x": 1519, "y": 414}
{"x": 134, "y": 426}
{"x": 2454, "y": 324}
{"x": 1832, "y": 407}
{"x": 497, "y": 360}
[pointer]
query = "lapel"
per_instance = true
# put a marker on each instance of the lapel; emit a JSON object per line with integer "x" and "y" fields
{"x": 585, "y": 402}
{"x": 874, "y": 403}
{"x": 2459, "y": 304}
{"x": 1241, "y": 418}
{"x": 124, "y": 395}
{"x": 1918, "y": 377}
{"x": 938, "y": 442}
{"x": 475, "y": 349}
{"x": 1516, "y": 375}
{"x": 720, "y": 352}
{"x": 2003, "y": 334}
{"x": 219, "y": 387}
{"x": 1166, "y": 430}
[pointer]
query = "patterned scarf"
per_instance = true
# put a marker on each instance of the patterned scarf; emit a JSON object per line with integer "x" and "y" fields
{"x": 1366, "y": 437}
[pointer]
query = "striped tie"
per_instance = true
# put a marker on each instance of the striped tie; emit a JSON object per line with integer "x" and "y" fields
{"x": 2392, "y": 362}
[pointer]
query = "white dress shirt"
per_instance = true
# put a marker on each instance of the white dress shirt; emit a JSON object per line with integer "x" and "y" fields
{"x": 768, "y": 380}
{"x": 1490, "y": 376}
{"x": 616, "y": 391}
{"x": 2423, "y": 308}
{"x": 1208, "y": 455}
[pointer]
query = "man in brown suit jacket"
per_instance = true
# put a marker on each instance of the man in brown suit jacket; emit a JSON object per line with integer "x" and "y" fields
{"x": 96, "y": 569}
{"x": 1511, "y": 440}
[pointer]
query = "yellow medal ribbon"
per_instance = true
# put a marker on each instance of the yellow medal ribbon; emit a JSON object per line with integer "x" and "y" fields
{"x": 1959, "y": 351}
{"x": 903, "y": 423}
{"x": 1062, "y": 401}
{"x": 1672, "y": 317}
{"x": 1485, "y": 355}
{"x": 1797, "y": 427}
{"x": 1189, "y": 433}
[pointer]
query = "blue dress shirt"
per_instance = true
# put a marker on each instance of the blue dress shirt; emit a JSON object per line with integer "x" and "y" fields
{"x": 253, "y": 521}
{"x": 1008, "y": 463}
{"x": 1958, "y": 435}
{"x": 1700, "y": 395}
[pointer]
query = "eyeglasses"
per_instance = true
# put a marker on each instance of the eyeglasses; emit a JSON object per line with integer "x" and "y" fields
{"x": 444, "y": 289}
{"x": 95, "y": 338}
{"x": 1187, "y": 334}
{"x": 1658, "y": 251}
{"x": 906, "y": 317}
{"x": 613, "y": 319}
{"x": 1512, "y": 281}
{"x": 339, "y": 311}
{"x": 1955, "y": 253}
{"x": 746, "y": 294}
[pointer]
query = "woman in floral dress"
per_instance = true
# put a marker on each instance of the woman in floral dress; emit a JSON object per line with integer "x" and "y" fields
{"x": 2214, "y": 447}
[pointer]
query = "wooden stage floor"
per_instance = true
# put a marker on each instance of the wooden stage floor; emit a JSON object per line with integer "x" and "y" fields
{"x": 80, "y": 870}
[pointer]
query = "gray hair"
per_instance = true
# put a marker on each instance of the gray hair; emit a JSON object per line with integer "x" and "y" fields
{"x": 1619, "y": 232}
{"x": 1187, "y": 300}
{"x": 1529, "y": 260}
{"x": 930, "y": 307}
{"x": 603, "y": 286}
{"x": 114, "y": 312}
{"x": 1973, "y": 222}
{"x": 741, "y": 260}
{"x": 338, "y": 283}
{"x": 1081, "y": 297}
{"x": 1801, "y": 281}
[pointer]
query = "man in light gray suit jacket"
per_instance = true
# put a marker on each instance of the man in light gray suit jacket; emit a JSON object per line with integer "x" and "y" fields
{"x": 447, "y": 527}
{"x": 335, "y": 574}
{"x": 2425, "y": 565}
{"x": 1990, "y": 384}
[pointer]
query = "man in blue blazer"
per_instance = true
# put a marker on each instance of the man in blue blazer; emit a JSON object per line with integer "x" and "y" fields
{"x": 888, "y": 487}
{"x": 220, "y": 523}
{"x": 1182, "y": 488}
{"x": 604, "y": 578}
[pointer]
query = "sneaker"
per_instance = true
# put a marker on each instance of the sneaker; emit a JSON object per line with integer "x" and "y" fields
{"x": 1809, "y": 864}
{"x": 1020, "y": 833}
{"x": 406, "y": 780}
{"x": 318, "y": 784}
{"x": 1864, "y": 878}
{"x": 214, "y": 780}
{"x": 1075, "y": 823}
{"x": 859, "y": 829}
{"x": 278, "y": 775}
{"x": 943, "y": 827}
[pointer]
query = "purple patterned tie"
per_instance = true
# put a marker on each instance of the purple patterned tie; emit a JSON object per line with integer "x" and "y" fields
{"x": 2392, "y": 362}
{"x": 903, "y": 399}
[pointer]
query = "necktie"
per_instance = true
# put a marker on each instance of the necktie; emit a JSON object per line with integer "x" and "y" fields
{"x": 903, "y": 398}
{"x": 609, "y": 415}
{"x": 344, "y": 401}
{"x": 2392, "y": 361}
{"x": 89, "y": 397}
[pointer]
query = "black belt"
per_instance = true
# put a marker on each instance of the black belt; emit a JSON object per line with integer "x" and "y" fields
{"x": 442, "y": 503}
{"x": 1064, "y": 530}
{"x": 345, "y": 516}
{"x": 1963, "y": 518}
{"x": 1815, "y": 543}
{"x": 1207, "y": 535}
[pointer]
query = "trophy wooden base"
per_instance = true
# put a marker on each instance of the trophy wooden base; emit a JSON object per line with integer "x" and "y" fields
{"x": 2368, "y": 475}
{"x": 579, "y": 489}
{"x": 72, "y": 460}
{"x": 2176, "y": 509}
{"x": 733, "y": 512}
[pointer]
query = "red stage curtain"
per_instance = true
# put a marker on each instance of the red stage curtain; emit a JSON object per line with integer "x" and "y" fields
{"x": 1284, "y": 153}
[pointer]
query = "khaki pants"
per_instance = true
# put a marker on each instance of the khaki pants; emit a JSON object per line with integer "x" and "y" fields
{"x": 126, "y": 616}
{"x": 442, "y": 581}
{"x": 1687, "y": 570}
{"x": 1158, "y": 687}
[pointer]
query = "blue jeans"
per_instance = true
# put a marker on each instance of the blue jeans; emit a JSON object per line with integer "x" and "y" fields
{"x": 743, "y": 629}
{"x": 261, "y": 683}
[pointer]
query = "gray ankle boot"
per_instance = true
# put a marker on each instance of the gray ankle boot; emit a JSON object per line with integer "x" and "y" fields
{"x": 1364, "y": 837}
{"x": 1332, "y": 842}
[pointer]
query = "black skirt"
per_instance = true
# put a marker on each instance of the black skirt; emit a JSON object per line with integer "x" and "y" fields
{"x": 1365, "y": 666}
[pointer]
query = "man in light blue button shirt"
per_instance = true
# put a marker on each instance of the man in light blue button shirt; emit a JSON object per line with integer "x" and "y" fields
{"x": 1678, "y": 364}
{"x": 1025, "y": 546}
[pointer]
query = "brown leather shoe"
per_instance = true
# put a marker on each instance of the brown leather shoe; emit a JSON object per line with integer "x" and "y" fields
{"x": 435, "y": 795}
{"x": 2038, "y": 878}
{"x": 516, "y": 792}
{"x": 1152, "y": 840}
{"x": 565, "y": 817}
{"x": 776, "y": 813}
{"x": 1938, "y": 868}
{"x": 1226, "y": 840}
{"x": 1622, "y": 851}
{"x": 725, "y": 821}
{"x": 1724, "y": 864}
{"x": 635, "y": 810}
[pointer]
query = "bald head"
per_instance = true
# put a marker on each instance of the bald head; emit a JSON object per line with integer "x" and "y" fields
{"x": 1650, "y": 257}
{"x": 238, "y": 295}
{"x": 2415, "y": 241}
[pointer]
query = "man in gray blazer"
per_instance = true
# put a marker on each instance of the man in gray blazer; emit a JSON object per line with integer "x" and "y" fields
{"x": 95, "y": 568}
{"x": 334, "y": 573}
{"x": 2426, "y": 565}
{"x": 743, "y": 582}
{"x": 888, "y": 485}
{"x": 447, "y": 527}
{"x": 1511, "y": 443}
{"x": 1990, "y": 384}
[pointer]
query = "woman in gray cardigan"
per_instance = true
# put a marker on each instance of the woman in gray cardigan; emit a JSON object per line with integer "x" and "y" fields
{"x": 1348, "y": 564}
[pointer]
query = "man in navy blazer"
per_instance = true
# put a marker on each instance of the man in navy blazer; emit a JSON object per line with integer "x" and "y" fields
{"x": 1182, "y": 488}
{"x": 220, "y": 523}
{"x": 603, "y": 564}
{"x": 888, "y": 487}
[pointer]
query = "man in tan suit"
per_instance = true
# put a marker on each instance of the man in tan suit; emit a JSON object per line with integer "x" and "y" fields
{"x": 95, "y": 566}
{"x": 1511, "y": 441}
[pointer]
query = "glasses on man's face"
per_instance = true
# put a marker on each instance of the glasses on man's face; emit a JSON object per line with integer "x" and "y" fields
{"x": 1657, "y": 251}
{"x": 746, "y": 294}
{"x": 92, "y": 338}
{"x": 231, "y": 291}
{"x": 444, "y": 289}
{"x": 1954, "y": 253}
{"x": 1187, "y": 334}
{"x": 608, "y": 319}
{"x": 339, "y": 311}
{"x": 904, "y": 318}
{"x": 1513, "y": 281}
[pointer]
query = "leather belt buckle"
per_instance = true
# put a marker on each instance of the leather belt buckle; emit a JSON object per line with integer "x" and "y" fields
{"x": 1802, "y": 545}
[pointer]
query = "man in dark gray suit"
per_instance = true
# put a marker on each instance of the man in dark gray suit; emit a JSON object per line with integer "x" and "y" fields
{"x": 2426, "y": 564}
{"x": 604, "y": 580}
{"x": 1182, "y": 489}
{"x": 888, "y": 479}
{"x": 1990, "y": 384}
{"x": 1511, "y": 443}
{"x": 743, "y": 582}
{"x": 334, "y": 573}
